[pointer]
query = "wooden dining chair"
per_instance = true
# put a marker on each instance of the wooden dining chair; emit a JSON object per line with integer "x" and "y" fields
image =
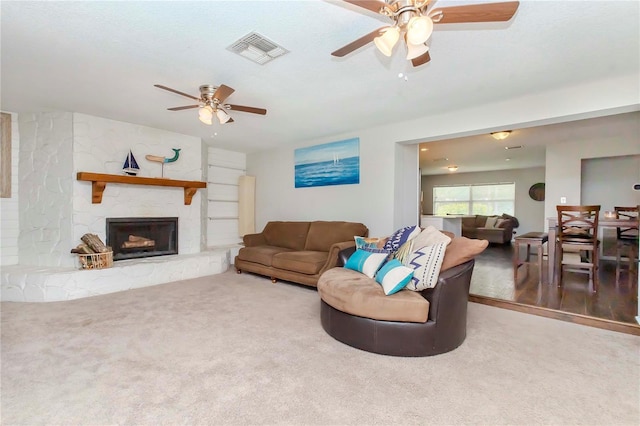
{"x": 577, "y": 242}
{"x": 627, "y": 239}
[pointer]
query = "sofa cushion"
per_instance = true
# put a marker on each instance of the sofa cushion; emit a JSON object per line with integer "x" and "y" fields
{"x": 480, "y": 220}
{"x": 304, "y": 262}
{"x": 393, "y": 276}
{"x": 322, "y": 235}
{"x": 290, "y": 235}
{"x": 356, "y": 294}
{"x": 461, "y": 250}
{"x": 260, "y": 254}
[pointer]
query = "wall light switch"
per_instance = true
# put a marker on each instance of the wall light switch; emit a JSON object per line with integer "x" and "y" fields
{"x": 563, "y": 200}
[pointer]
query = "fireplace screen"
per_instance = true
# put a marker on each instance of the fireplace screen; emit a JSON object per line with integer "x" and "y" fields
{"x": 134, "y": 237}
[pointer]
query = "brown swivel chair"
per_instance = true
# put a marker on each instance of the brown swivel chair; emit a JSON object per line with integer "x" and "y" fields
{"x": 627, "y": 239}
{"x": 577, "y": 242}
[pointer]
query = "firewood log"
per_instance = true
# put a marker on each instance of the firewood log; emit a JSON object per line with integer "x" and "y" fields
{"x": 96, "y": 244}
{"x": 82, "y": 248}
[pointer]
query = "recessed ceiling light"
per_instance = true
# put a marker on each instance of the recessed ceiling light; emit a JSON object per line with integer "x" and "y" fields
{"x": 452, "y": 168}
{"x": 424, "y": 149}
{"x": 501, "y": 135}
{"x": 507, "y": 159}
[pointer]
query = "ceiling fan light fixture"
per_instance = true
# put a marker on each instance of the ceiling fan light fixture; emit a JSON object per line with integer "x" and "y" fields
{"x": 419, "y": 30}
{"x": 416, "y": 50}
{"x": 222, "y": 115}
{"x": 501, "y": 135}
{"x": 387, "y": 40}
{"x": 205, "y": 114}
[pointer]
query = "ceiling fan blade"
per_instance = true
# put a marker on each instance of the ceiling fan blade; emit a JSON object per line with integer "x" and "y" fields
{"x": 183, "y": 107}
{"x": 357, "y": 43}
{"x": 422, "y": 59}
{"x": 175, "y": 91}
{"x": 372, "y": 5}
{"x": 489, "y": 12}
{"x": 247, "y": 109}
{"x": 223, "y": 92}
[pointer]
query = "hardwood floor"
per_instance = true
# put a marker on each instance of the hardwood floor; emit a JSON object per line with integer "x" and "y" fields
{"x": 614, "y": 306}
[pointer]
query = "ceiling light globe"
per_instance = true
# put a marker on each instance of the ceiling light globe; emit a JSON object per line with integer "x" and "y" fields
{"x": 419, "y": 29}
{"x": 206, "y": 120}
{"x": 387, "y": 40}
{"x": 414, "y": 51}
{"x": 205, "y": 113}
{"x": 223, "y": 117}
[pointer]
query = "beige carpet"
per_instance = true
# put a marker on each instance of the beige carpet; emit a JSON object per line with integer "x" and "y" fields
{"x": 236, "y": 349}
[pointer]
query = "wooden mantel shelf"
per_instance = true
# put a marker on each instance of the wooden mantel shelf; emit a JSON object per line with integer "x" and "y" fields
{"x": 99, "y": 183}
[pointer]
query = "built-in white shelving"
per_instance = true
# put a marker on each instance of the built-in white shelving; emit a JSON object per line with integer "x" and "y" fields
{"x": 224, "y": 169}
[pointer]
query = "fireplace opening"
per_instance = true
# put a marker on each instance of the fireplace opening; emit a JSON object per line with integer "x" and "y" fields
{"x": 135, "y": 237}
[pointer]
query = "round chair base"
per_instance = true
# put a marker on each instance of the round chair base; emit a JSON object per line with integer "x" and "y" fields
{"x": 386, "y": 337}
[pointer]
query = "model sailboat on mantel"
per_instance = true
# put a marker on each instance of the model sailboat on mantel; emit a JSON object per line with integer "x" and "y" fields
{"x": 130, "y": 166}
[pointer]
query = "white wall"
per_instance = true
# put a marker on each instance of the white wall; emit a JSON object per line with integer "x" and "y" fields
{"x": 55, "y": 209}
{"x": 369, "y": 202}
{"x": 9, "y": 209}
{"x": 564, "y": 163}
{"x": 101, "y": 146}
{"x": 609, "y": 181}
{"x": 530, "y": 213}
{"x": 45, "y": 173}
{"x": 374, "y": 200}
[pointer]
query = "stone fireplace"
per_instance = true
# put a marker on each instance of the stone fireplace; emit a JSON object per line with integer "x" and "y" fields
{"x": 56, "y": 209}
{"x": 136, "y": 237}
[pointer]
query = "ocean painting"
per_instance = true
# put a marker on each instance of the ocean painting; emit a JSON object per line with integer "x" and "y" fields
{"x": 335, "y": 163}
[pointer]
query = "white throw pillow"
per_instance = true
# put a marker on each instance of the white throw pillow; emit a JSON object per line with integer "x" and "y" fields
{"x": 429, "y": 236}
{"x": 426, "y": 263}
{"x": 491, "y": 222}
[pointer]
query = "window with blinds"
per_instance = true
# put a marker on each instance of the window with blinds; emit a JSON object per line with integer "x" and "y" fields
{"x": 483, "y": 199}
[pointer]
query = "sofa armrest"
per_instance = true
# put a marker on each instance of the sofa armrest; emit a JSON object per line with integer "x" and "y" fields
{"x": 252, "y": 240}
{"x": 448, "y": 299}
{"x": 345, "y": 254}
{"x": 334, "y": 259}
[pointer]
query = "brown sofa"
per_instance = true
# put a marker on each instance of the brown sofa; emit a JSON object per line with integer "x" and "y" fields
{"x": 475, "y": 227}
{"x": 297, "y": 251}
{"x": 355, "y": 311}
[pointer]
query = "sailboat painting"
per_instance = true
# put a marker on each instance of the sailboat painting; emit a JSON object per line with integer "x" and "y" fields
{"x": 130, "y": 166}
{"x": 334, "y": 163}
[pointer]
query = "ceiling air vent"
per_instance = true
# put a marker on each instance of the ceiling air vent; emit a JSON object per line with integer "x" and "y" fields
{"x": 257, "y": 48}
{"x": 513, "y": 147}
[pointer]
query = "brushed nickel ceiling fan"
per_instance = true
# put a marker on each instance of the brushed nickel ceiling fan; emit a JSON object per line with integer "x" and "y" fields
{"x": 211, "y": 102}
{"x": 413, "y": 21}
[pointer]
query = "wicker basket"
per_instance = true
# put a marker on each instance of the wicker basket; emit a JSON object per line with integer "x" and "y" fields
{"x": 96, "y": 260}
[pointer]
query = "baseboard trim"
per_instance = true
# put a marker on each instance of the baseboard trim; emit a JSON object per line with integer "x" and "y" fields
{"x": 621, "y": 327}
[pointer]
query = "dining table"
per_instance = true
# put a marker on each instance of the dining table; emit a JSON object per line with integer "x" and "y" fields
{"x": 603, "y": 222}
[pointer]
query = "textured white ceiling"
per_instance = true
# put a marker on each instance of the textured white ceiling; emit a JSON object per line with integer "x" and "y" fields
{"x": 103, "y": 58}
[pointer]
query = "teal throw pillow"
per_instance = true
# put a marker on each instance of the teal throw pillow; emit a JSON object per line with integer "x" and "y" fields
{"x": 366, "y": 262}
{"x": 394, "y": 276}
